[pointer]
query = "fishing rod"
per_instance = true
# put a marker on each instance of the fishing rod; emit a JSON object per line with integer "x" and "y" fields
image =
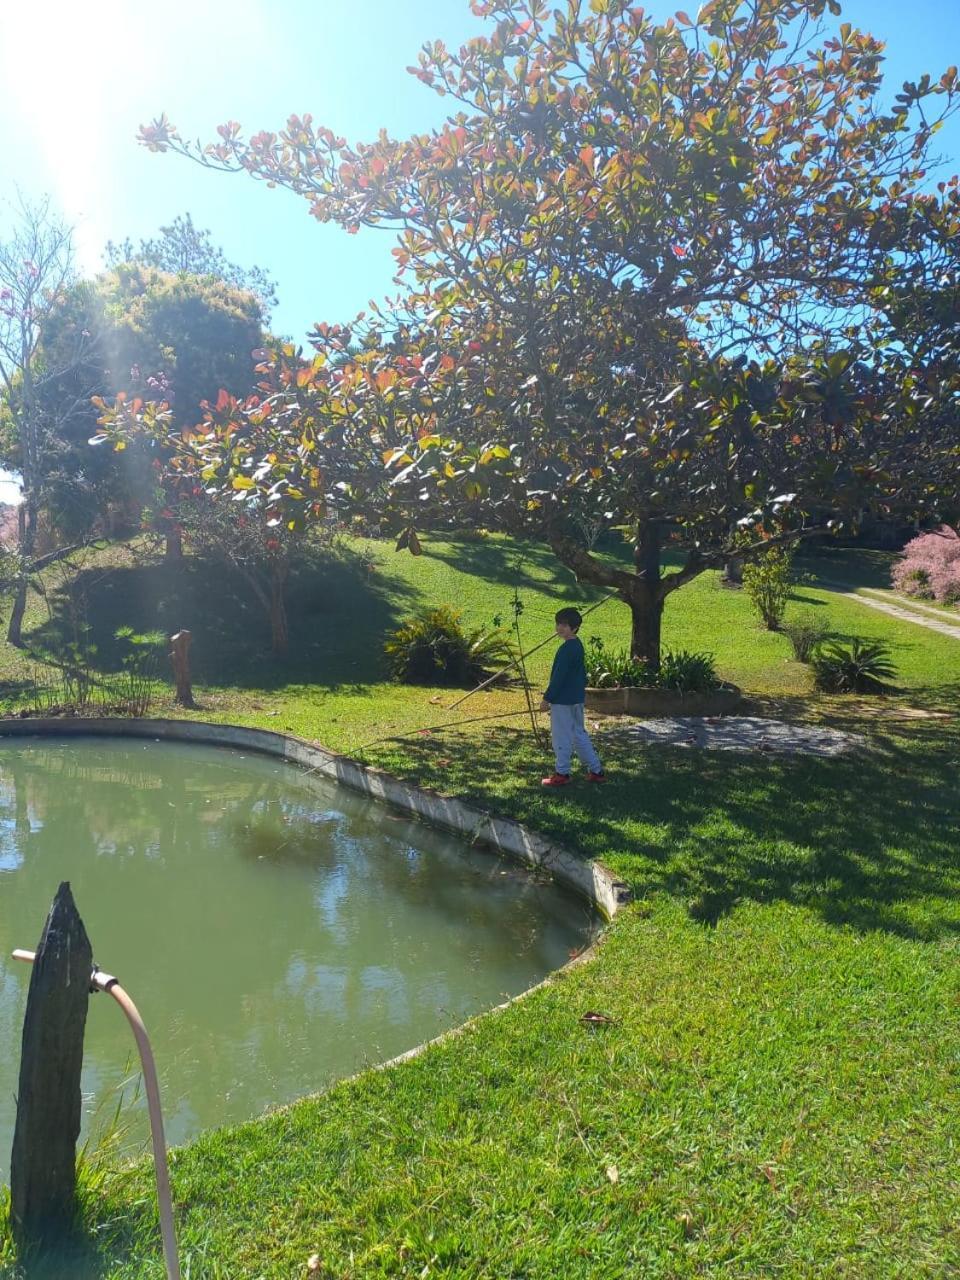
{"x": 449, "y": 724}
{"x": 522, "y": 657}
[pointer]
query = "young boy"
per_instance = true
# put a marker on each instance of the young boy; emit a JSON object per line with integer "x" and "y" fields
{"x": 564, "y": 700}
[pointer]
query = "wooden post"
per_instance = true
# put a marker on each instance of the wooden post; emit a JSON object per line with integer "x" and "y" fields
{"x": 180, "y": 656}
{"x": 43, "y": 1166}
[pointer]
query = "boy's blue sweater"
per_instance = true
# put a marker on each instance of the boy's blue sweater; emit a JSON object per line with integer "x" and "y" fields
{"x": 568, "y": 679}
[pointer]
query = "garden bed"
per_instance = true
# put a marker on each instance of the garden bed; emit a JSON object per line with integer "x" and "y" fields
{"x": 663, "y": 702}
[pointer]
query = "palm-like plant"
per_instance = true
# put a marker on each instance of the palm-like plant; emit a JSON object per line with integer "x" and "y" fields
{"x": 853, "y": 666}
{"x": 433, "y": 647}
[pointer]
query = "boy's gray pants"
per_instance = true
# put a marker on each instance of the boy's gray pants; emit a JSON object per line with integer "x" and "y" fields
{"x": 569, "y": 735}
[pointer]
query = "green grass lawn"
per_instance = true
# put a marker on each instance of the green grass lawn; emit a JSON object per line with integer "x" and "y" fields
{"x": 778, "y": 1094}
{"x": 334, "y": 688}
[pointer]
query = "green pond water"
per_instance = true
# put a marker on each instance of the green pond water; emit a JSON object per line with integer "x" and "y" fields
{"x": 276, "y": 931}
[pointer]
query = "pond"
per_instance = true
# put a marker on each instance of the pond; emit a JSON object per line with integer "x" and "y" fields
{"x": 276, "y": 931}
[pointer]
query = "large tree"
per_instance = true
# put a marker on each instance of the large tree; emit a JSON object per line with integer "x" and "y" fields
{"x": 245, "y": 481}
{"x": 185, "y": 249}
{"x": 36, "y": 273}
{"x": 181, "y": 338}
{"x": 648, "y": 267}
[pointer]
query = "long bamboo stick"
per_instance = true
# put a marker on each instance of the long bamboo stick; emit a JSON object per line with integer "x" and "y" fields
{"x": 522, "y": 658}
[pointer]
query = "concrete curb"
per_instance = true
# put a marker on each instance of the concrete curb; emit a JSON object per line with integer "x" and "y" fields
{"x": 591, "y": 880}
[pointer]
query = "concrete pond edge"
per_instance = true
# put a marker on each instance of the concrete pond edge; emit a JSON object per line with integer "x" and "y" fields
{"x": 588, "y": 879}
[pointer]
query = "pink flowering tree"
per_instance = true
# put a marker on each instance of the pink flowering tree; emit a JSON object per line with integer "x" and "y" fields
{"x": 930, "y": 567}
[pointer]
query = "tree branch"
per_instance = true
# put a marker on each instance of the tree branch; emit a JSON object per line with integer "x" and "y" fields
{"x": 585, "y": 567}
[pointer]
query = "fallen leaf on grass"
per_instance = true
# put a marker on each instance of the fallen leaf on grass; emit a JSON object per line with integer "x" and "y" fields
{"x": 592, "y": 1019}
{"x": 613, "y": 1174}
{"x": 770, "y": 1173}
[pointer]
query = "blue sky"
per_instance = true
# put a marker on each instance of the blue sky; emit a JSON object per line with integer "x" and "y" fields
{"x": 76, "y": 81}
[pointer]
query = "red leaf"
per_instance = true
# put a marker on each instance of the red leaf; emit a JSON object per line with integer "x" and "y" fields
{"x": 223, "y": 400}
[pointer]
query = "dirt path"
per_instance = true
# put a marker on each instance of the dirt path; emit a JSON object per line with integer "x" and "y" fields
{"x": 930, "y": 620}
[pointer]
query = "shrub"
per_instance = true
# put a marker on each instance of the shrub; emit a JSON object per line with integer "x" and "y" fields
{"x": 133, "y": 687}
{"x": 682, "y": 671}
{"x": 434, "y": 648}
{"x": 806, "y": 634}
{"x": 853, "y": 666}
{"x": 929, "y": 568}
{"x": 688, "y": 672}
{"x": 614, "y": 668}
{"x": 75, "y": 681}
{"x": 767, "y": 581}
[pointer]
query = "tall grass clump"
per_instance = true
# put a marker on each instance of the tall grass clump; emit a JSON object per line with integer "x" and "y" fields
{"x": 806, "y": 633}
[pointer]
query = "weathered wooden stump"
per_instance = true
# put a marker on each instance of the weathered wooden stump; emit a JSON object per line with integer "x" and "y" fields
{"x": 180, "y": 657}
{"x": 43, "y": 1165}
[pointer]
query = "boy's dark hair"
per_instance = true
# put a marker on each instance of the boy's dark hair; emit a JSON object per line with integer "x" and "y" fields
{"x": 572, "y": 617}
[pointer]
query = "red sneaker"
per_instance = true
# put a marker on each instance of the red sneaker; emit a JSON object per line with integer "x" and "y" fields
{"x": 556, "y": 780}
{"x": 596, "y": 777}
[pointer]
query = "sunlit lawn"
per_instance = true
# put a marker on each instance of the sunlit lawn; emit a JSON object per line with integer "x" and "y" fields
{"x": 777, "y": 1094}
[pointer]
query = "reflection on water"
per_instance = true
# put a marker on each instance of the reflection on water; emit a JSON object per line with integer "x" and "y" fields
{"x": 276, "y": 931}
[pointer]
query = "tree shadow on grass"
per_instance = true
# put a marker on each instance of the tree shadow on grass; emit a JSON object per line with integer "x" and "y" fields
{"x": 796, "y": 598}
{"x": 528, "y": 566}
{"x": 339, "y": 610}
{"x": 858, "y": 566}
{"x": 869, "y": 840}
{"x": 535, "y": 568}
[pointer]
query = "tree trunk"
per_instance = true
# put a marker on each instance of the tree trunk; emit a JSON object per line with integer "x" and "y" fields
{"x": 646, "y": 613}
{"x": 26, "y": 526}
{"x": 645, "y": 596}
{"x": 15, "y": 626}
{"x": 278, "y": 618}
{"x": 43, "y": 1165}
{"x": 644, "y": 590}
